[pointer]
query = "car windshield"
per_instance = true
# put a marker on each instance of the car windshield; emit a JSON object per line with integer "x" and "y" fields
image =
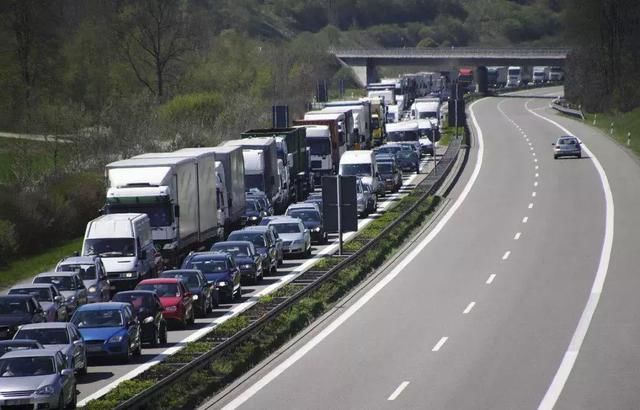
{"x": 235, "y": 250}
{"x": 256, "y": 238}
{"x": 287, "y": 228}
{"x": 41, "y": 294}
{"x": 86, "y": 272}
{"x": 110, "y": 247}
{"x": 403, "y": 136}
{"x": 427, "y": 114}
{"x": 44, "y": 336}
{"x": 305, "y": 214}
{"x": 190, "y": 278}
{"x": 389, "y": 149}
{"x": 355, "y": 169}
{"x": 160, "y": 214}
{"x": 97, "y": 318}
{"x": 567, "y": 141}
{"x": 9, "y": 306}
{"x": 61, "y": 282}
{"x": 209, "y": 265}
{"x": 26, "y": 366}
{"x": 161, "y": 289}
{"x": 252, "y": 205}
{"x": 404, "y": 154}
{"x": 136, "y": 300}
{"x": 385, "y": 167}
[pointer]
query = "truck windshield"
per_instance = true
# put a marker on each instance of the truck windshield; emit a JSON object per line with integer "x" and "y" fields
{"x": 403, "y": 136}
{"x": 110, "y": 247}
{"x": 254, "y": 181}
{"x": 427, "y": 114}
{"x": 355, "y": 169}
{"x": 319, "y": 146}
{"x": 159, "y": 214}
{"x": 514, "y": 72}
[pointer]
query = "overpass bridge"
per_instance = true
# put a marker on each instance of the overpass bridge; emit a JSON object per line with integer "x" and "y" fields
{"x": 365, "y": 61}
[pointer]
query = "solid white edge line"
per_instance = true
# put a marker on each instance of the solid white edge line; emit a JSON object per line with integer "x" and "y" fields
{"x": 571, "y": 355}
{"x": 468, "y": 308}
{"x": 398, "y": 390}
{"x": 440, "y": 343}
{"x": 236, "y": 309}
{"x": 297, "y": 355}
{"x": 491, "y": 278}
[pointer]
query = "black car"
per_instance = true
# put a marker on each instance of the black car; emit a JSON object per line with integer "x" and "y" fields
{"x": 220, "y": 269}
{"x": 312, "y": 220}
{"x": 16, "y": 310}
{"x": 261, "y": 241}
{"x": 148, "y": 308}
{"x": 205, "y": 295}
{"x": 247, "y": 258}
{"x": 253, "y": 212}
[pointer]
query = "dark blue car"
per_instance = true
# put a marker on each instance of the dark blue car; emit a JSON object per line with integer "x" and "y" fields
{"x": 219, "y": 269}
{"x": 109, "y": 329}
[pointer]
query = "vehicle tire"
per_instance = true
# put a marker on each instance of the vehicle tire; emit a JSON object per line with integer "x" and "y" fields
{"x": 73, "y": 403}
{"x": 555, "y": 157}
{"x": 84, "y": 369}
{"x": 192, "y": 319}
{"x": 155, "y": 340}
{"x": 163, "y": 335}
{"x": 325, "y": 239}
{"x": 579, "y": 156}
{"x": 61, "y": 405}
{"x": 126, "y": 358}
{"x": 138, "y": 351}
{"x": 238, "y": 294}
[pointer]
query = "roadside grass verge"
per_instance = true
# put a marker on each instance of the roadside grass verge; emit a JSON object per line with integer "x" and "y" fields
{"x": 201, "y": 384}
{"x": 623, "y": 123}
{"x": 38, "y": 154}
{"x": 32, "y": 265}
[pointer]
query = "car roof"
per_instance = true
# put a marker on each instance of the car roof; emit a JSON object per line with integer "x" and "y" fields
{"x": 136, "y": 292}
{"x": 234, "y": 243}
{"x": 285, "y": 219}
{"x": 257, "y": 228}
{"x": 85, "y": 260}
{"x": 241, "y": 231}
{"x": 16, "y": 297}
{"x": 102, "y": 306}
{"x": 33, "y": 286}
{"x": 158, "y": 281}
{"x": 212, "y": 255}
{"x": 46, "y": 325}
{"x": 48, "y": 274}
{"x": 13, "y": 342}
{"x": 567, "y": 137}
{"x": 180, "y": 271}
{"x": 30, "y": 353}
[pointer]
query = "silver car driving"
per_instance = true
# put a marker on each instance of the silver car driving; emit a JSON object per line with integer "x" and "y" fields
{"x": 567, "y": 146}
{"x": 93, "y": 274}
{"x": 37, "y": 378}
{"x": 64, "y": 337}
{"x": 70, "y": 286}
{"x": 296, "y": 239}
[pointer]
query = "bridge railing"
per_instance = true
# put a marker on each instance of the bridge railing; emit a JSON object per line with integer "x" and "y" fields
{"x": 452, "y": 52}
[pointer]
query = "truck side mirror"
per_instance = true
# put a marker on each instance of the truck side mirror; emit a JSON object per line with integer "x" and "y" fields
{"x": 176, "y": 211}
{"x": 230, "y": 200}
{"x": 290, "y": 160}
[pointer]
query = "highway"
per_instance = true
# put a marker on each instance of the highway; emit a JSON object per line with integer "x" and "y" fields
{"x": 103, "y": 375}
{"x": 523, "y": 294}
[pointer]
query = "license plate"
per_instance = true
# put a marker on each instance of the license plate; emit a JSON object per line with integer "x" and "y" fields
{"x": 94, "y": 348}
{"x": 16, "y": 402}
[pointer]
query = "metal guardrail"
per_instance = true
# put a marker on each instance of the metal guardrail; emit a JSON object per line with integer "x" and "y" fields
{"x": 428, "y": 186}
{"x": 457, "y": 52}
{"x": 562, "y": 106}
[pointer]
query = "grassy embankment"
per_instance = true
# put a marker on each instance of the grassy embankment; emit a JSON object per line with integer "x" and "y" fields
{"x": 623, "y": 123}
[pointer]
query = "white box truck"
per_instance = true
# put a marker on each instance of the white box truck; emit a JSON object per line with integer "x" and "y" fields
{"x": 361, "y": 163}
{"x": 540, "y": 74}
{"x": 124, "y": 243}
{"x": 168, "y": 191}
{"x": 362, "y": 119}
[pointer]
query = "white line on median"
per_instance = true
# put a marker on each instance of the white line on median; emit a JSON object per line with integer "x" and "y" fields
{"x": 506, "y": 255}
{"x": 525, "y": 219}
{"x": 398, "y": 390}
{"x": 518, "y": 234}
{"x": 530, "y": 205}
{"x": 535, "y": 183}
{"x": 468, "y": 308}
{"x": 440, "y": 343}
{"x": 491, "y": 278}
{"x": 537, "y": 175}
{"x": 533, "y": 194}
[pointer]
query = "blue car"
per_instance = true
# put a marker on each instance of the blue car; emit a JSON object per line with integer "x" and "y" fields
{"x": 109, "y": 329}
{"x": 220, "y": 269}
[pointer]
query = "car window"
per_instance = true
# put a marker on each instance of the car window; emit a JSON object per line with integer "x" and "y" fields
{"x": 291, "y": 227}
{"x": 206, "y": 265}
{"x": 26, "y": 366}
{"x": 61, "y": 282}
{"x": 12, "y": 306}
{"x": 57, "y": 336}
{"x": 97, "y": 318}
{"x": 41, "y": 294}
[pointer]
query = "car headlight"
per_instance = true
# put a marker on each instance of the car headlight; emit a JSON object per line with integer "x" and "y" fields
{"x": 129, "y": 275}
{"x": 92, "y": 289}
{"x": 246, "y": 266}
{"x": 195, "y": 297}
{"x": 71, "y": 299}
{"x": 116, "y": 339}
{"x": 316, "y": 229}
{"x": 171, "y": 309}
{"x": 222, "y": 283}
{"x": 253, "y": 218}
{"x": 46, "y": 390}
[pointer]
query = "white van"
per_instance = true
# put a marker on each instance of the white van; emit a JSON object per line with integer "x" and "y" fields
{"x": 125, "y": 245}
{"x": 405, "y": 131}
{"x": 361, "y": 163}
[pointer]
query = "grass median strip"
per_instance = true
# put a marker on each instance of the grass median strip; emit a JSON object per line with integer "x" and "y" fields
{"x": 215, "y": 375}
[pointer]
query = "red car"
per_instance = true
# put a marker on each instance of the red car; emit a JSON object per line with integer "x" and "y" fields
{"x": 175, "y": 298}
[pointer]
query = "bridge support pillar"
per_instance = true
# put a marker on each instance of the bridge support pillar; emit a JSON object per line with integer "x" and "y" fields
{"x": 363, "y": 69}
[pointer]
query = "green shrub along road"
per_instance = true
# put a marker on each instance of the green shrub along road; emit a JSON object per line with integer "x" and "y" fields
{"x": 623, "y": 123}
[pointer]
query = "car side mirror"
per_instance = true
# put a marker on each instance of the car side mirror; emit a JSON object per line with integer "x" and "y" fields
{"x": 59, "y": 299}
{"x": 66, "y": 372}
{"x": 147, "y": 320}
{"x": 553, "y": 143}
{"x": 306, "y": 231}
{"x": 78, "y": 342}
{"x": 131, "y": 323}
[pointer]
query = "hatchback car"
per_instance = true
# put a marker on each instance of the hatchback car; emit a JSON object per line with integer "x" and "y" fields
{"x": 70, "y": 286}
{"x": 312, "y": 220}
{"x": 51, "y": 300}
{"x": 17, "y": 310}
{"x": 37, "y": 379}
{"x": 274, "y": 238}
{"x": 263, "y": 244}
{"x": 148, "y": 308}
{"x": 567, "y": 146}
{"x": 220, "y": 269}
{"x": 64, "y": 337}
{"x": 249, "y": 261}
{"x": 109, "y": 329}
{"x": 253, "y": 212}
{"x": 177, "y": 301}
{"x": 205, "y": 295}
{"x": 389, "y": 172}
{"x": 296, "y": 238}
{"x": 7, "y": 346}
{"x": 93, "y": 274}
{"x": 408, "y": 160}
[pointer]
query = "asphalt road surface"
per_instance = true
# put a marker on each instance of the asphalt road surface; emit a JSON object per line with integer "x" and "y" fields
{"x": 520, "y": 297}
{"x": 103, "y": 375}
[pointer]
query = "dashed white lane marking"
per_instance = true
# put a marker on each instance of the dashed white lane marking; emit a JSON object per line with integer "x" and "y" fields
{"x": 537, "y": 175}
{"x": 525, "y": 219}
{"x": 535, "y": 183}
{"x": 533, "y": 194}
{"x": 506, "y": 255}
{"x": 440, "y": 343}
{"x": 491, "y": 278}
{"x": 534, "y": 154}
{"x": 518, "y": 234}
{"x": 530, "y": 205}
{"x": 398, "y": 390}
{"x": 535, "y": 159}
{"x": 468, "y": 308}
{"x": 537, "y": 167}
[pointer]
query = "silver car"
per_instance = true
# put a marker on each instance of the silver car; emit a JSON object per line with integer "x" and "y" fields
{"x": 296, "y": 239}
{"x": 50, "y": 298}
{"x": 70, "y": 286}
{"x": 567, "y": 146}
{"x": 64, "y": 337}
{"x": 93, "y": 274}
{"x": 37, "y": 378}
